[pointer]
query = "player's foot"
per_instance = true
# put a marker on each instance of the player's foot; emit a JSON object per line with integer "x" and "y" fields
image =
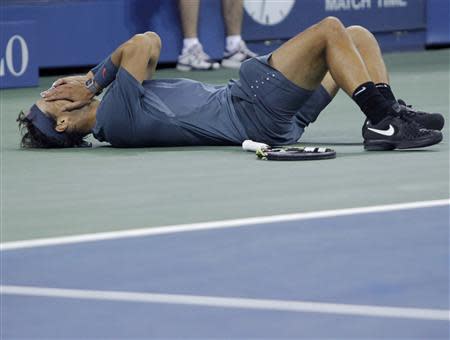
{"x": 195, "y": 59}
{"x": 234, "y": 59}
{"x": 432, "y": 121}
{"x": 397, "y": 132}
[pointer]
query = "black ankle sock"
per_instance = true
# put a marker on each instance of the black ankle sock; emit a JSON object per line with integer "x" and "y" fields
{"x": 371, "y": 102}
{"x": 386, "y": 91}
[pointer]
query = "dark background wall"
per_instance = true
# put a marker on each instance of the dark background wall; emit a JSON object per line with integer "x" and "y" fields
{"x": 70, "y": 33}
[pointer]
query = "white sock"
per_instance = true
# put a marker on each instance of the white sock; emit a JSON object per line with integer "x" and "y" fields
{"x": 189, "y": 42}
{"x": 233, "y": 42}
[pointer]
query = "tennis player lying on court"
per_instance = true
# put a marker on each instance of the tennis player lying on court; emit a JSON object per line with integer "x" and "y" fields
{"x": 276, "y": 97}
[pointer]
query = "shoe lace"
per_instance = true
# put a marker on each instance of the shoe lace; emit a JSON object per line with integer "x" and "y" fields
{"x": 407, "y": 108}
{"x": 245, "y": 50}
{"x": 411, "y": 129}
{"x": 241, "y": 50}
{"x": 404, "y": 112}
{"x": 407, "y": 117}
{"x": 199, "y": 53}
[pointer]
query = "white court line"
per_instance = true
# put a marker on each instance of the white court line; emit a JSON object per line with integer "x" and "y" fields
{"x": 227, "y": 302}
{"x": 215, "y": 225}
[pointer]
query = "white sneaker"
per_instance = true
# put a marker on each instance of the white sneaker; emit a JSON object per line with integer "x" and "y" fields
{"x": 234, "y": 59}
{"x": 194, "y": 58}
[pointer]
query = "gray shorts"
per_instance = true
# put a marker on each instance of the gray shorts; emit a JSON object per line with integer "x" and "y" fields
{"x": 270, "y": 105}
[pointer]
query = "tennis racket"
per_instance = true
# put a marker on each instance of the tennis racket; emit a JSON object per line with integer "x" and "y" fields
{"x": 266, "y": 152}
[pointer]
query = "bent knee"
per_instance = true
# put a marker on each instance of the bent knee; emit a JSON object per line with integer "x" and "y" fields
{"x": 357, "y": 29}
{"x": 155, "y": 39}
{"x": 359, "y": 33}
{"x": 147, "y": 38}
{"x": 332, "y": 23}
{"x": 148, "y": 42}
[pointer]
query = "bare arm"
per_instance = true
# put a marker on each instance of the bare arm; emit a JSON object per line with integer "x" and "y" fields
{"x": 134, "y": 55}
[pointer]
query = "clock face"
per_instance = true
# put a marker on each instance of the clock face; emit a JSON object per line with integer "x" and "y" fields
{"x": 268, "y": 12}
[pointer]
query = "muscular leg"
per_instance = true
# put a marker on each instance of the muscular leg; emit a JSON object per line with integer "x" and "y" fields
{"x": 326, "y": 46}
{"x": 370, "y": 52}
{"x": 154, "y": 56}
{"x": 189, "y": 17}
{"x": 233, "y": 12}
{"x": 330, "y": 85}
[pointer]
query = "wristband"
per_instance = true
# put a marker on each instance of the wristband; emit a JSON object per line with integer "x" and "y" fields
{"x": 99, "y": 66}
{"x": 92, "y": 87}
{"x": 106, "y": 74}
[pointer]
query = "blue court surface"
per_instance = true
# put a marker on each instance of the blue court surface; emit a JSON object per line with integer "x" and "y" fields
{"x": 381, "y": 272}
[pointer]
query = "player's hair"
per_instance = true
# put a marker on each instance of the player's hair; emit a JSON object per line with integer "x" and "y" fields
{"x": 33, "y": 138}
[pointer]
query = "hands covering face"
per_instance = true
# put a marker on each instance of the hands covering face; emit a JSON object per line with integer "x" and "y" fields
{"x": 72, "y": 89}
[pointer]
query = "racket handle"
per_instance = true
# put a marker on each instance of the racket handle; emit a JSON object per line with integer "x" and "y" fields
{"x": 250, "y": 145}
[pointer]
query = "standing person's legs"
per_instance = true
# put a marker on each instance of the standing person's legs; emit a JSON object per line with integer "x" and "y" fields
{"x": 236, "y": 50}
{"x": 189, "y": 18}
{"x": 233, "y": 13}
{"x": 192, "y": 57}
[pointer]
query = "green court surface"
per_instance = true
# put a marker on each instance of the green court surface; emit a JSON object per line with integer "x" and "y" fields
{"x": 75, "y": 191}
